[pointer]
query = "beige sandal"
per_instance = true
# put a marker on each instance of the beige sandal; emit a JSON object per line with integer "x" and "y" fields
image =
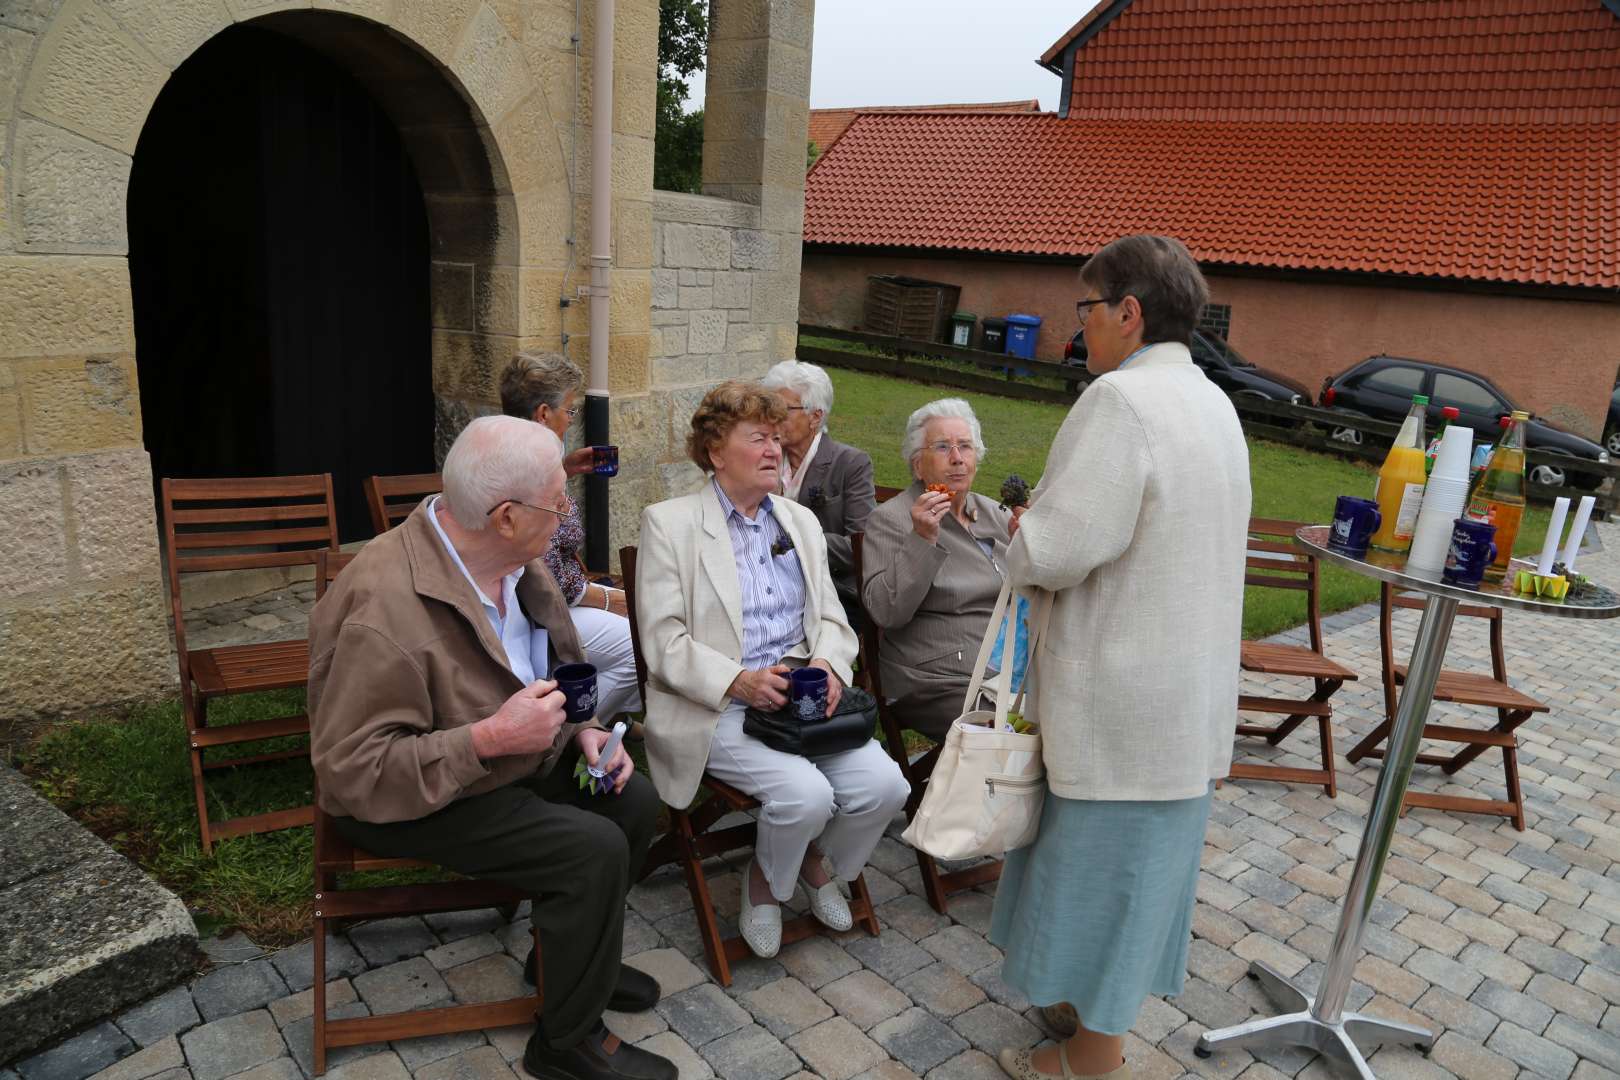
{"x": 1019, "y": 1065}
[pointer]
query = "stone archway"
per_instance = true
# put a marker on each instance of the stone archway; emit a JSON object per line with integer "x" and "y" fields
{"x": 463, "y": 92}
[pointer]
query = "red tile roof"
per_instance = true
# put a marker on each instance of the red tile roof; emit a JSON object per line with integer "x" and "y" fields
{"x": 1524, "y": 203}
{"x": 826, "y": 125}
{"x": 1461, "y": 139}
{"x": 1350, "y": 61}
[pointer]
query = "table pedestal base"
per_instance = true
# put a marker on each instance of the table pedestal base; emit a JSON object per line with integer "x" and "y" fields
{"x": 1341, "y": 1043}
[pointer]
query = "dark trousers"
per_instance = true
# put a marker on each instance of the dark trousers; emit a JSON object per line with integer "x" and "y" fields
{"x": 575, "y": 854}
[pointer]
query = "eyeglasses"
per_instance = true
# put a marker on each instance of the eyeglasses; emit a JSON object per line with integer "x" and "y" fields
{"x": 795, "y": 408}
{"x": 572, "y": 414}
{"x": 519, "y": 502}
{"x": 1083, "y": 308}
{"x": 942, "y": 448}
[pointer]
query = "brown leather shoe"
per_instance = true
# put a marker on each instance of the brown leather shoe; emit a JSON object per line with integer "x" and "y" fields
{"x": 599, "y": 1056}
{"x": 1061, "y": 1019}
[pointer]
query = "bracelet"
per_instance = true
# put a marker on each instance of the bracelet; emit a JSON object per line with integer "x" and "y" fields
{"x": 604, "y": 589}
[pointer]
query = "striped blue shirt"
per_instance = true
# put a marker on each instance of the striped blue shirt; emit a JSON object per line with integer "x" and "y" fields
{"x": 772, "y": 585}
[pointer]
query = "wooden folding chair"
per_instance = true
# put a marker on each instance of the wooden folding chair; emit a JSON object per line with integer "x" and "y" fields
{"x": 1275, "y": 562}
{"x": 335, "y": 856}
{"x": 1462, "y": 688}
{"x": 692, "y": 838}
{"x": 242, "y": 524}
{"x": 938, "y": 885}
{"x": 392, "y": 498}
{"x": 328, "y": 565}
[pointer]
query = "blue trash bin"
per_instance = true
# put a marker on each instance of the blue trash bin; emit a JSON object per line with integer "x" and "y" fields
{"x": 1021, "y": 333}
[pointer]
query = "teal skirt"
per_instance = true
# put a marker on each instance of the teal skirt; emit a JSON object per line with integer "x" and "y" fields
{"x": 1098, "y": 910}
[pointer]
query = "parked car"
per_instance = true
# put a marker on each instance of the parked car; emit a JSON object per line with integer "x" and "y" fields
{"x": 1225, "y": 367}
{"x": 1611, "y": 430}
{"x": 1381, "y": 387}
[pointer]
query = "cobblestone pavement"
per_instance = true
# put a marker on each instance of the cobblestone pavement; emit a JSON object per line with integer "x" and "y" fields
{"x": 1506, "y": 944}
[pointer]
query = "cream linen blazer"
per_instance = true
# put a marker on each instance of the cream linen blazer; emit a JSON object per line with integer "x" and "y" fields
{"x": 1140, "y": 528}
{"x": 689, "y": 613}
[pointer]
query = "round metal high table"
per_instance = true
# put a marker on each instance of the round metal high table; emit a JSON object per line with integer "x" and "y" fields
{"x": 1318, "y": 1021}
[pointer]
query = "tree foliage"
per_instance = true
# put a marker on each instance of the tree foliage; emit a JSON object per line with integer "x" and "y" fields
{"x": 683, "y": 38}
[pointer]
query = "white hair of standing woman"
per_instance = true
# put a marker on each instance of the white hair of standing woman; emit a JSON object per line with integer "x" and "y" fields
{"x": 815, "y": 390}
{"x": 496, "y": 458}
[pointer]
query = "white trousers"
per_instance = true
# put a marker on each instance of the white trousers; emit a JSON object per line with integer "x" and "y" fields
{"x": 841, "y": 801}
{"x": 605, "y": 637}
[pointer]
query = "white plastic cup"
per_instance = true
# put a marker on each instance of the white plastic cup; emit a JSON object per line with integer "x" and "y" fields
{"x": 1451, "y": 459}
{"x": 1431, "y": 540}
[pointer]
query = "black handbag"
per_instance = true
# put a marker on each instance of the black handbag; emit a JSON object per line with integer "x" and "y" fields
{"x": 848, "y": 728}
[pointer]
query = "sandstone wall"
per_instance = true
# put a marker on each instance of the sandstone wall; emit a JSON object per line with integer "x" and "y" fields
{"x": 484, "y": 95}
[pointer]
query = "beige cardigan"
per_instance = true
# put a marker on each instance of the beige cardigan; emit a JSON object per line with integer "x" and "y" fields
{"x": 689, "y": 614}
{"x": 1139, "y": 526}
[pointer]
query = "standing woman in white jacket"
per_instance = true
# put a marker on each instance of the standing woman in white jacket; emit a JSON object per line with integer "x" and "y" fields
{"x": 1139, "y": 528}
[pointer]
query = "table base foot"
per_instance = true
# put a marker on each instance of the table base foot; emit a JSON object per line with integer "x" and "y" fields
{"x": 1342, "y": 1043}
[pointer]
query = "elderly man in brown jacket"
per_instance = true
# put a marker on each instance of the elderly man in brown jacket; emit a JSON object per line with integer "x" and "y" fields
{"x": 437, "y": 734}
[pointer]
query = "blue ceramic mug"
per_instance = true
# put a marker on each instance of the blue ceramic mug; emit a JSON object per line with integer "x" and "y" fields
{"x": 1354, "y": 521}
{"x": 1471, "y": 552}
{"x": 578, "y": 685}
{"x": 605, "y": 460}
{"x": 808, "y": 688}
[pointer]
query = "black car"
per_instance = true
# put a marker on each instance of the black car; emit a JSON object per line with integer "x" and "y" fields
{"x": 1382, "y": 387}
{"x": 1611, "y": 430}
{"x": 1225, "y": 367}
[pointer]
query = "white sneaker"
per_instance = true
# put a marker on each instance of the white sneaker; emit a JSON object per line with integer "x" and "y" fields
{"x": 759, "y": 924}
{"x": 828, "y": 905}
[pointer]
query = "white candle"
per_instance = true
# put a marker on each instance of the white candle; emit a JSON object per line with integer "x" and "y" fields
{"x": 1555, "y": 532}
{"x": 609, "y": 748}
{"x": 1582, "y": 515}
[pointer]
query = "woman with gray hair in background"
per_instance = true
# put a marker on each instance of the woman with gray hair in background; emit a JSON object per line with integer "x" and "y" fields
{"x": 833, "y": 480}
{"x": 545, "y": 388}
{"x": 934, "y": 557}
{"x": 1139, "y": 530}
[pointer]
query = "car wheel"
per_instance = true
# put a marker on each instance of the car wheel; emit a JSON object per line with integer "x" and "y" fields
{"x": 1611, "y": 441}
{"x": 1549, "y": 475}
{"x": 1348, "y": 435}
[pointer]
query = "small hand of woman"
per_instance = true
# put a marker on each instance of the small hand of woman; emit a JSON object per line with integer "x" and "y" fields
{"x": 580, "y": 461}
{"x": 835, "y": 685}
{"x": 1012, "y": 526}
{"x": 762, "y": 689}
{"x": 926, "y": 513}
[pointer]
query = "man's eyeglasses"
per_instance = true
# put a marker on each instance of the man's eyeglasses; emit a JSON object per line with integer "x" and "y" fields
{"x": 1083, "y": 308}
{"x": 519, "y": 502}
{"x": 942, "y": 448}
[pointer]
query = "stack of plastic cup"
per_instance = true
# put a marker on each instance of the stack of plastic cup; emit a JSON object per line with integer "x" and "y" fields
{"x": 1443, "y": 500}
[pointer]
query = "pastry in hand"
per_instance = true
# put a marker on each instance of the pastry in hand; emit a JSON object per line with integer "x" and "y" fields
{"x": 942, "y": 489}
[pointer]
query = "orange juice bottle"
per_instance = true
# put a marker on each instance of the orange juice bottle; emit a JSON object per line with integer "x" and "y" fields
{"x": 1400, "y": 483}
{"x": 1498, "y": 494}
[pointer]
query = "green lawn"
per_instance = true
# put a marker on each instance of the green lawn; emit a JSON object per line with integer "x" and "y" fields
{"x": 127, "y": 776}
{"x": 870, "y": 412}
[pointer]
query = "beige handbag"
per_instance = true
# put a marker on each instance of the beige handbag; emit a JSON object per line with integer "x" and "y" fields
{"x": 984, "y": 796}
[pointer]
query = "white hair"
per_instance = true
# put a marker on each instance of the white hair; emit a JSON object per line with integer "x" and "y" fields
{"x": 497, "y": 458}
{"x": 945, "y": 408}
{"x": 815, "y": 390}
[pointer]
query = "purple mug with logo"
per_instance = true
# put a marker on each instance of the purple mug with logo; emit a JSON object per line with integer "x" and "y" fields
{"x": 808, "y": 689}
{"x": 578, "y": 685}
{"x": 1354, "y": 521}
{"x": 1471, "y": 552}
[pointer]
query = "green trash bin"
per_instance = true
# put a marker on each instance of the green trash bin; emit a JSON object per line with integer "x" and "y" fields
{"x": 962, "y": 328}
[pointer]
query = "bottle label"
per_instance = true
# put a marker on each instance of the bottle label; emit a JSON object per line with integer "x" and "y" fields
{"x": 1406, "y": 517}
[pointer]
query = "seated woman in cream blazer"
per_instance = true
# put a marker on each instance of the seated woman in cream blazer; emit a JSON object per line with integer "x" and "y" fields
{"x": 732, "y": 591}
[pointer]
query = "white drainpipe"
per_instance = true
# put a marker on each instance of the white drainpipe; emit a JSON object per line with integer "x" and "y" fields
{"x": 596, "y": 380}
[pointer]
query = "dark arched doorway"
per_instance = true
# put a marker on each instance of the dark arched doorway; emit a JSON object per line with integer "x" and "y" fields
{"x": 279, "y": 263}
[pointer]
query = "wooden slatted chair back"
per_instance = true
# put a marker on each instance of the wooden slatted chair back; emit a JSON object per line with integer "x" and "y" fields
{"x": 242, "y": 524}
{"x": 882, "y": 493}
{"x": 627, "y": 567}
{"x": 1274, "y": 561}
{"x": 392, "y": 498}
{"x": 1389, "y": 599}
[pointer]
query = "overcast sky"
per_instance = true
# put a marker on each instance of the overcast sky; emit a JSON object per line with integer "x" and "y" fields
{"x": 933, "y": 52}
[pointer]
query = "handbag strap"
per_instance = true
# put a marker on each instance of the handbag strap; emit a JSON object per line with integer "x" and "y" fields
{"x": 986, "y": 647}
{"x": 1040, "y": 613}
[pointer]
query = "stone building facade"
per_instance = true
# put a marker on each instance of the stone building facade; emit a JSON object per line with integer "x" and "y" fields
{"x": 487, "y": 96}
